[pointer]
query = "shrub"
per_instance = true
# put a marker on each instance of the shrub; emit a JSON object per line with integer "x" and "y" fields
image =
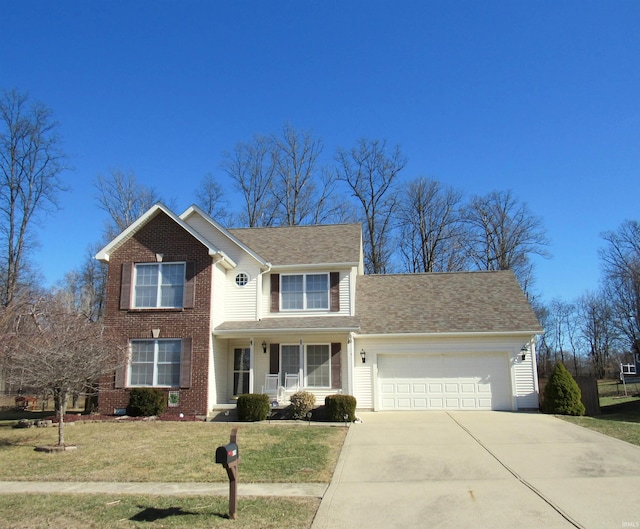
{"x": 145, "y": 402}
{"x": 562, "y": 394}
{"x": 302, "y": 403}
{"x": 253, "y": 407}
{"x": 340, "y": 405}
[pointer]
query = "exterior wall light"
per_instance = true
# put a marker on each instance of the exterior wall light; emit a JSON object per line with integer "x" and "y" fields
{"x": 363, "y": 355}
{"x": 523, "y": 352}
{"x": 264, "y": 347}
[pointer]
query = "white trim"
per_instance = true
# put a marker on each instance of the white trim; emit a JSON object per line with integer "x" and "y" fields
{"x": 298, "y": 330}
{"x": 195, "y": 209}
{"x": 105, "y": 253}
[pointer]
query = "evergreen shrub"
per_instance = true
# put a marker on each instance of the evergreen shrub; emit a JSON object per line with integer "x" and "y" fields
{"x": 562, "y": 394}
{"x": 337, "y": 406}
{"x": 146, "y": 402}
{"x": 253, "y": 407}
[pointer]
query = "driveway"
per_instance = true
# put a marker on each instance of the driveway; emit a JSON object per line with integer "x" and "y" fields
{"x": 480, "y": 470}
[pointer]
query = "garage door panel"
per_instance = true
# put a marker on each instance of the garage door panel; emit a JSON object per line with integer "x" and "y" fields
{"x": 461, "y": 382}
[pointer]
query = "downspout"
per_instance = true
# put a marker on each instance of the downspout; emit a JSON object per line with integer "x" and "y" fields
{"x": 266, "y": 270}
{"x": 350, "y": 347}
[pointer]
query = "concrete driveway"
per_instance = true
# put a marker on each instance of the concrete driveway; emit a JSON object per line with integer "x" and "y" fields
{"x": 480, "y": 470}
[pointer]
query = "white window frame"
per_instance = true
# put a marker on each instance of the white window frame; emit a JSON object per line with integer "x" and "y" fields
{"x": 158, "y": 304}
{"x": 156, "y": 342}
{"x": 305, "y": 304}
{"x": 306, "y": 365}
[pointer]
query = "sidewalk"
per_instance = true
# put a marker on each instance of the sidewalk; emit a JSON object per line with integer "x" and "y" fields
{"x": 315, "y": 490}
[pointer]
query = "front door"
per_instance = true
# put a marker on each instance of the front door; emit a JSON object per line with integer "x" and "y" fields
{"x": 241, "y": 360}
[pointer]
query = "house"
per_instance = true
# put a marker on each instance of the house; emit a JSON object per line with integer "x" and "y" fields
{"x": 211, "y": 313}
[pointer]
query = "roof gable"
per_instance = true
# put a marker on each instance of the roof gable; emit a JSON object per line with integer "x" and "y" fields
{"x": 304, "y": 245}
{"x": 144, "y": 219}
{"x": 460, "y": 302}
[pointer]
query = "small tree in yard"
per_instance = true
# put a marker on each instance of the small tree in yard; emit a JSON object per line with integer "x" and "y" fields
{"x": 55, "y": 349}
{"x": 562, "y": 394}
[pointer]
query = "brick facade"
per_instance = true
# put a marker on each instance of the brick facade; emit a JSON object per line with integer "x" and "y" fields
{"x": 161, "y": 235}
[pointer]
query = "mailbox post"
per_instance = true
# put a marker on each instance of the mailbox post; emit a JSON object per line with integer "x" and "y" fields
{"x": 227, "y": 456}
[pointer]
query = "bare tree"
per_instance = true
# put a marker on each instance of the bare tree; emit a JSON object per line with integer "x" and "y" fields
{"x": 252, "y": 167}
{"x": 211, "y": 199}
{"x": 61, "y": 352}
{"x": 504, "y": 234}
{"x": 596, "y": 327}
{"x": 295, "y": 186}
{"x": 370, "y": 171}
{"x": 431, "y": 234}
{"x": 124, "y": 199}
{"x": 85, "y": 287}
{"x": 31, "y": 162}
{"x": 621, "y": 262}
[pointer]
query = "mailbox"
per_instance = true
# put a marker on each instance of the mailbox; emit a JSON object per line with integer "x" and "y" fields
{"x": 227, "y": 454}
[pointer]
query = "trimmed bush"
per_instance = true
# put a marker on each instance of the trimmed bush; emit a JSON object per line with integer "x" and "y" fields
{"x": 145, "y": 402}
{"x": 338, "y": 406}
{"x": 562, "y": 394}
{"x": 253, "y": 407}
{"x": 302, "y": 403}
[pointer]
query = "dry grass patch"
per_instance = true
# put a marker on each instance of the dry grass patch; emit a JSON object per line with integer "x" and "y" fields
{"x": 171, "y": 452}
{"x": 93, "y": 511}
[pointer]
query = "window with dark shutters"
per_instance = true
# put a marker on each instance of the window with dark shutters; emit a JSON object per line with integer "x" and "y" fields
{"x": 189, "y": 285}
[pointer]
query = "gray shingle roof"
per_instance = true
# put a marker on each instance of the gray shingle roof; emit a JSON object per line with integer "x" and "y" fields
{"x": 303, "y": 245}
{"x": 443, "y": 303}
{"x": 315, "y": 323}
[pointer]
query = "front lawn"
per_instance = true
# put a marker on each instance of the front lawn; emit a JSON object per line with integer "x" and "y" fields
{"x": 620, "y": 418}
{"x": 93, "y": 511}
{"x": 171, "y": 452}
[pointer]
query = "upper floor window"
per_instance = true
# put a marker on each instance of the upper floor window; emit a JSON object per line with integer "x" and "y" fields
{"x": 159, "y": 285}
{"x": 305, "y": 292}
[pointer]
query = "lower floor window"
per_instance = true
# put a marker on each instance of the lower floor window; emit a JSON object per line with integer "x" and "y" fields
{"x": 317, "y": 367}
{"x": 155, "y": 363}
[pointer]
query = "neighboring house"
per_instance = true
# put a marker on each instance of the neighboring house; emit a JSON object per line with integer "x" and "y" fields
{"x": 210, "y": 312}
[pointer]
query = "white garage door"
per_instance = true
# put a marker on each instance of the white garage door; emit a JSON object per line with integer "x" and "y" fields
{"x": 444, "y": 382}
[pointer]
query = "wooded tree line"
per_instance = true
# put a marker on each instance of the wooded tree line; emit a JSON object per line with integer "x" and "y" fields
{"x": 601, "y": 329}
{"x": 286, "y": 178}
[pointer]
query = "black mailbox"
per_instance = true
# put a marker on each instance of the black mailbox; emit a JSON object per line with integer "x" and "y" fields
{"x": 227, "y": 454}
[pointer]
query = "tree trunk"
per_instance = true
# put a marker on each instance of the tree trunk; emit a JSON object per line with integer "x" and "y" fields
{"x": 61, "y": 405}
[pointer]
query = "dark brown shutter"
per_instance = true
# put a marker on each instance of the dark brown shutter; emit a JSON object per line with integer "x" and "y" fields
{"x": 185, "y": 363}
{"x": 120, "y": 376}
{"x": 336, "y": 379}
{"x": 274, "y": 358}
{"x": 334, "y": 278}
{"x": 126, "y": 278}
{"x": 275, "y": 292}
{"x": 189, "y": 285}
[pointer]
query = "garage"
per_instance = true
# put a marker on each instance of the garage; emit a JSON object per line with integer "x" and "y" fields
{"x": 444, "y": 382}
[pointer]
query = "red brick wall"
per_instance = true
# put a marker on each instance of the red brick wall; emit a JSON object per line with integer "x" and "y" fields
{"x": 162, "y": 235}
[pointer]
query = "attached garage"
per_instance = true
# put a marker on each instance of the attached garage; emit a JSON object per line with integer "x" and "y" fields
{"x": 444, "y": 382}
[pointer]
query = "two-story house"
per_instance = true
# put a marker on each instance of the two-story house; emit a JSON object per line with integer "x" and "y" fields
{"x": 210, "y": 313}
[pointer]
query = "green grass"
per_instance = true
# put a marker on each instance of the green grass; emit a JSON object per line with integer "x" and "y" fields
{"x": 89, "y": 511}
{"x": 171, "y": 452}
{"x": 619, "y": 418}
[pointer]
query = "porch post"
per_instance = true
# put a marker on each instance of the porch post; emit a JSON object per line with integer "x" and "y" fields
{"x": 301, "y": 370}
{"x": 251, "y": 366}
{"x": 350, "y": 347}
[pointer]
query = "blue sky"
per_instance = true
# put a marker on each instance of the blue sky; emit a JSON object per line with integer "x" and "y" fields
{"x": 540, "y": 97}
